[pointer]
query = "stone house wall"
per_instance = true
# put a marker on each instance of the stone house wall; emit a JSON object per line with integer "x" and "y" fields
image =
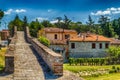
{"x": 61, "y": 48}
{"x": 84, "y": 49}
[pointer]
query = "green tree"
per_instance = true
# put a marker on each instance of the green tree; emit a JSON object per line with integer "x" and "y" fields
{"x": 79, "y": 23}
{"x": 98, "y": 29}
{"x": 90, "y": 21}
{"x": 76, "y": 26}
{"x": 116, "y": 27}
{"x": 103, "y": 20}
{"x": 66, "y": 21}
{"x": 25, "y": 22}
{"x": 114, "y": 51}
{"x": 90, "y": 24}
{"x": 59, "y": 23}
{"x": 59, "y": 19}
{"x": 106, "y": 26}
{"x": 109, "y": 31}
{"x": 63, "y": 22}
{"x": 35, "y": 26}
{"x": 16, "y": 22}
{"x": 46, "y": 23}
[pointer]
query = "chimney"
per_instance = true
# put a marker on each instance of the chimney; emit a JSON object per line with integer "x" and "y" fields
{"x": 97, "y": 38}
{"x": 84, "y": 36}
{"x": 79, "y": 35}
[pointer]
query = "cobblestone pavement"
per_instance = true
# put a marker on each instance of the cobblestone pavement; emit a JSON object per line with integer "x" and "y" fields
{"x": 26, "y": 64}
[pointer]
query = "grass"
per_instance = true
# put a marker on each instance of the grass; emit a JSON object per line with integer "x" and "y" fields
{"x": 2, "y": 58}
{"x": 76, "y": 69}
{"x": 79, "y": 68}
{"x": 114, "y": 76}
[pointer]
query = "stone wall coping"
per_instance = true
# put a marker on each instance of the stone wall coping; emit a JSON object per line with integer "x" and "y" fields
{"x": 46, "y": 49}
{"x": 9, "y": 55}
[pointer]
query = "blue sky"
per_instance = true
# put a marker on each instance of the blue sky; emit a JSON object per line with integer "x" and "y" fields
{"x": 76, "y": 10}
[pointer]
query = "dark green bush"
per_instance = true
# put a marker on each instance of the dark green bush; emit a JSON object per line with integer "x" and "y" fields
{"x": 92, "y": 61}
{"x": 44, "y": 41}
{"x": 113, "y": 67}
{"x": 95, "y": 75}
{"x": 112, "y": 71}
{"x": 118, "y": 69}
{"x": 71, "y": 61}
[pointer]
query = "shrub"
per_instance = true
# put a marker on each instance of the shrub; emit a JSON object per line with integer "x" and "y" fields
{"x": 92, "y": 61}
{"x": 44, "y": 41}
{"x": 118, "y": 69}
{"x": 70, "y": 61}
{"x": 113, "y": 67}
{"x": 112, "y": 71}
{"x": 95, "y": 75}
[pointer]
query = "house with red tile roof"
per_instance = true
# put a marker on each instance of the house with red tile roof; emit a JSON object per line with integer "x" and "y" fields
{"x": 58, "y": 38}
{"x": 57, "y": 35}
{"x": 88, "y": 45}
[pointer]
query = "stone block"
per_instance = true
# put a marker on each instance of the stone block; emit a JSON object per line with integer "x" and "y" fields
{"x": 9, "y": 64}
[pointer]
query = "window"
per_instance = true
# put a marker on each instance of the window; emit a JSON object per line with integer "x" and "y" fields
{"x": 93, "y": 46}
{"x": 55, "y": 36}
{"x": 67, "y": 36}
{"x": 106, "y": 45}
{"x": 72, "y": 45}
{"x": 100, "y": 45}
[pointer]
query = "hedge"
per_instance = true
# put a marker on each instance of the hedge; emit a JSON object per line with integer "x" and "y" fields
{"x": 93, "y": 61}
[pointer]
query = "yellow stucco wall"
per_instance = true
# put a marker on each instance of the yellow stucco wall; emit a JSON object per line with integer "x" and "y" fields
{"x": 51, "y": 35}
{"x": 60, "y": 36}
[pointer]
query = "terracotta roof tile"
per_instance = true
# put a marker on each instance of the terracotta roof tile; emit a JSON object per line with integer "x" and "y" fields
{"x": 114, "y": 41}
{"x": 58, "y": 42}
{"x": 52, "y": 30}
{"x": 90, "y": 37}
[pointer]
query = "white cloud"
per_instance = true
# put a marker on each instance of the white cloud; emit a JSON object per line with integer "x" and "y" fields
{"x": 54, "y": 21}
{"x": 101, "y": 13}
{"x": 41, "y": 19}
{"x": 20, "y": 10}
{"x": 118, "y": 9}
{"x": 116, "y": 12}
{"x": 9, "y": 11}
{"x": 108, "y": 11}
{"x": 112, "y": 9}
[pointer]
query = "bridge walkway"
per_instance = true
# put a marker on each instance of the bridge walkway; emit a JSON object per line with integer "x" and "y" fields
{"x": 26, "y": 64}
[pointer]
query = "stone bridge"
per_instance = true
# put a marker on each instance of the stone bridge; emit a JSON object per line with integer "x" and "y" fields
{"x": 31, "y": 60}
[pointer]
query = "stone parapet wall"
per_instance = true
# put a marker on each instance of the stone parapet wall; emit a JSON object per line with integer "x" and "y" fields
{"x": 53, "y": 60}
{"x": 9, "y": 56}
